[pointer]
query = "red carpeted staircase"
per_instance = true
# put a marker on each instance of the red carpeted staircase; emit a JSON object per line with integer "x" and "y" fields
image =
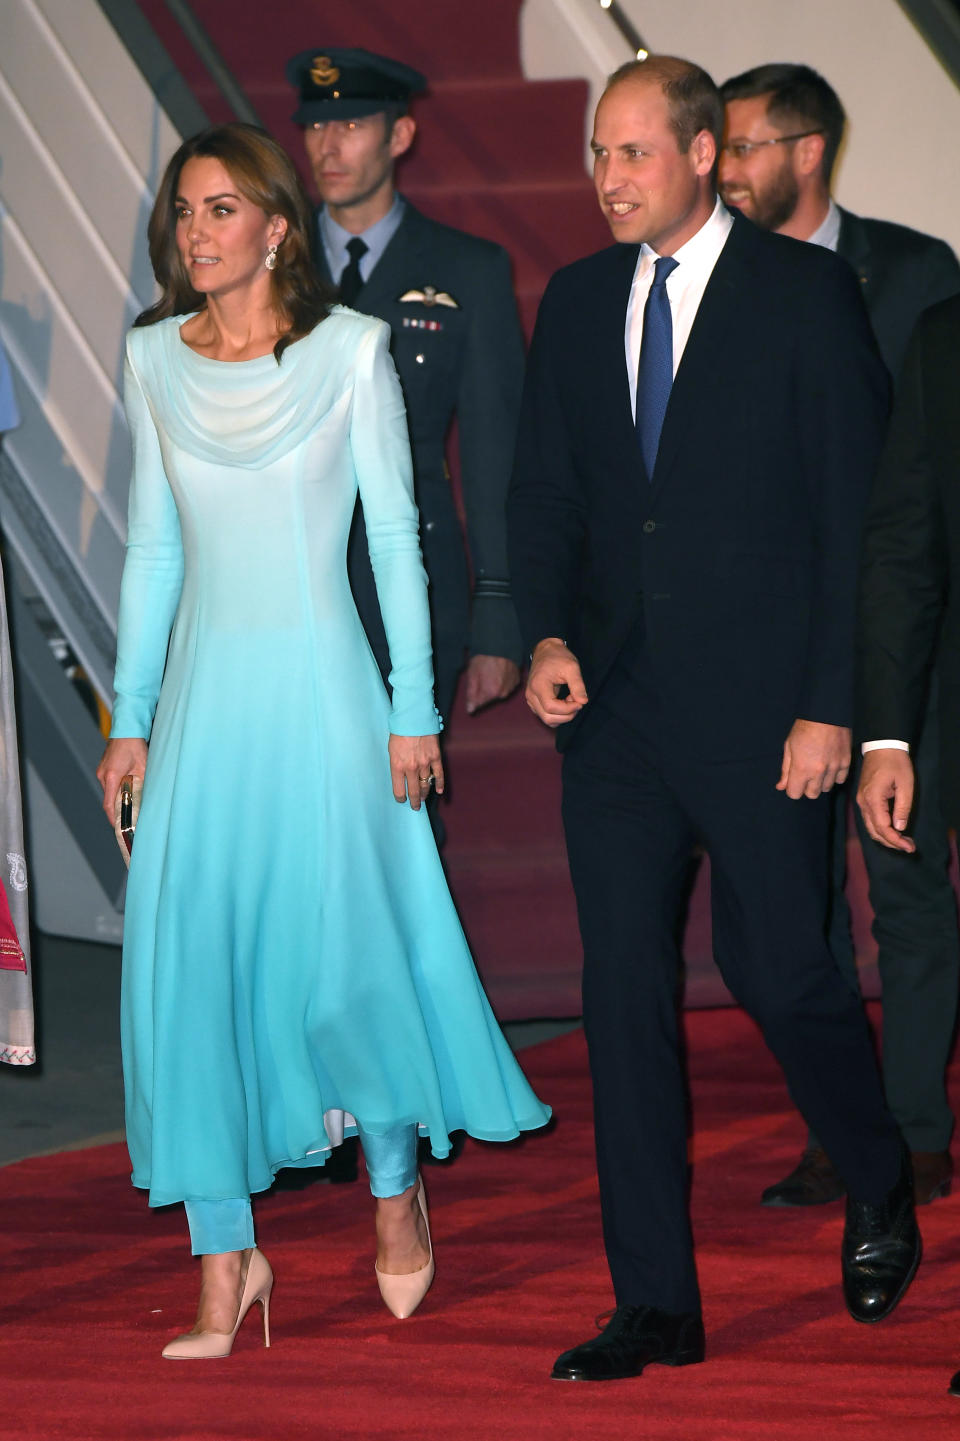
{"x": 496, "y": 154}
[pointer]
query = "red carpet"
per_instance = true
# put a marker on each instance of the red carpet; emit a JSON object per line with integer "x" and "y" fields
{"x": 94, "y": 1285}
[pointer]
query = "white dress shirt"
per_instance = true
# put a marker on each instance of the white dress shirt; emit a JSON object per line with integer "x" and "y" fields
{"x": 827, "y": 232}
{"x": 685, "y": 286}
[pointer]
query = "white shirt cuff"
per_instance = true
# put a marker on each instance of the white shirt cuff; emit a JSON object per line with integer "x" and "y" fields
{"x": 884, "y": 746}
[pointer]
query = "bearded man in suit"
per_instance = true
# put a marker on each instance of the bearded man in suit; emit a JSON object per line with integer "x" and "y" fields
{"x": 784, "y": 126}
{"x": 702, "y": 413}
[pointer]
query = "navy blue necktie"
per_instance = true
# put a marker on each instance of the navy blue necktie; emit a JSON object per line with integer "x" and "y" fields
{"x": 655, "y": 367}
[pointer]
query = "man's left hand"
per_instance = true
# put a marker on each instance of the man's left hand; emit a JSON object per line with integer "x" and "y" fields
{"x": 489, "y": 678}
{"x": 816, "y": 757}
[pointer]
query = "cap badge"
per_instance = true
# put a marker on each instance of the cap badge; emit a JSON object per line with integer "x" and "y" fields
{"x": 323, "y": 71}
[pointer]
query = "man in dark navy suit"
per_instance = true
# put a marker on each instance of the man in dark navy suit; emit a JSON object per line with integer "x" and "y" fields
{"x": 703, "y": 410}
{"x": 909, "y": 621}
{"x": 784, "y": 126}
{"x": 448, "y": 299}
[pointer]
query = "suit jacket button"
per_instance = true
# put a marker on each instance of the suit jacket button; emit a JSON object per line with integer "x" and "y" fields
{"x": 649, "y": 526}
{"x": 421, "y": 359}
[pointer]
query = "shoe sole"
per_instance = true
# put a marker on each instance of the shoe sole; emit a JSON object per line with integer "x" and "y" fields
{"x": 780, "y": 1202}
{"x": 882, "y": 1315}
{"x": 688, "y": 1358}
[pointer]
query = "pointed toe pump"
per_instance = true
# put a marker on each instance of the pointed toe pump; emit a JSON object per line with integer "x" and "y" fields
{"x": 403, "y": 1294}
{"x": 212, "y": 1345}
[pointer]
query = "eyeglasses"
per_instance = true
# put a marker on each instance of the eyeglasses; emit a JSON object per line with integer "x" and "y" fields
{"x": 743, "y": 149}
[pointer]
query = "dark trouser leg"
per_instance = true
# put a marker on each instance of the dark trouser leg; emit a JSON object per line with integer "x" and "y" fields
{"x": 769, "y": 867}
{"x": 915, "y": 928}
{"x": 628, "y": 845}
{"x": 839, "y": 922}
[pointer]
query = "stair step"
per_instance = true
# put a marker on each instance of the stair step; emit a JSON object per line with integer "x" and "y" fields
{"x": 541, "y": 230}
{"x": 455, "y": 43}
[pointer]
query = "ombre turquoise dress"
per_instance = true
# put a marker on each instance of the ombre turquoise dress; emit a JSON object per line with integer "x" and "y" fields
{"x": 292, "y": 959}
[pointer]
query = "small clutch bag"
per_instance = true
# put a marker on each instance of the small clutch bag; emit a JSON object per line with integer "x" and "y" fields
{"x": 126, "y": 809}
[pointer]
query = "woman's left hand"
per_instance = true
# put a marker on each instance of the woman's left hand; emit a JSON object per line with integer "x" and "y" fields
{"x": 415, "y": 766}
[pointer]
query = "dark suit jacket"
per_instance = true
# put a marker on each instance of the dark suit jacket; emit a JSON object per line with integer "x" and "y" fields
{"x": 902, "y": 272}
{"x": 742, "y": 550}
{"x": 471, "y": 366}
{"x": 910, "y": 569}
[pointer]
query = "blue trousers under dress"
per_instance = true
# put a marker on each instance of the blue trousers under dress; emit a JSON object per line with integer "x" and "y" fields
{"x": 218, "y": 1226}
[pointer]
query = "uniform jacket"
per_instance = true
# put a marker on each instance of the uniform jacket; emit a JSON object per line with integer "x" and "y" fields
{"x": 741, "y": 550}
{"x": 910, "y": 572}
{"x": 902, "y": 272}
{"x": 464, "y": 360}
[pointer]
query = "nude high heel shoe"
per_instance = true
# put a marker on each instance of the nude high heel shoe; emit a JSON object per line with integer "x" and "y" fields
{"x": 212, "y": 1345}
{"x": 403, "y": 1294}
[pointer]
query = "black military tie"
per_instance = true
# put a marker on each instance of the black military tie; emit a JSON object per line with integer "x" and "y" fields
{"x": 350, "y": 278}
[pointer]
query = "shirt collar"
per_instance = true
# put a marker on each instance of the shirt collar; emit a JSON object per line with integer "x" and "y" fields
{"x": 699, "y": 254}
{"x": 376, "y": 237}
{"x": 827, "y": 233}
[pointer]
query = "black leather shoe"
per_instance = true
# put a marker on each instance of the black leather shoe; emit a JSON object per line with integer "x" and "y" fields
{"x": 881, "y": 1250}
{"x": 813, "y": 1182}
{"x": 954, "y": 1387}
{"x": 634, "y": 1337}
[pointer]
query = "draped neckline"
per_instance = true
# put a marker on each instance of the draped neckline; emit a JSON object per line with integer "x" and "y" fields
{"x": 246, "y": 412}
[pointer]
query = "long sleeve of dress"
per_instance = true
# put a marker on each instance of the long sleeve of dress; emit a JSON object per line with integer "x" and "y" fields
{"x": 152, "y": 573}
{"x": 381, "y": 454}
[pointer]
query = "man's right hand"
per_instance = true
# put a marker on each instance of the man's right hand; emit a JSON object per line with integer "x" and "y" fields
{"x": 553, "y": 666}
{"x": 885, "y": 796}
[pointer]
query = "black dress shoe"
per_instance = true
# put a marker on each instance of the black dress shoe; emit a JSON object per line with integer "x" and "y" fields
{"x": 634, "y": 1337}
{"x": 881, "y": 1250}
{"x": 813, "y": 1182}
{"x": 954, "y": 1387}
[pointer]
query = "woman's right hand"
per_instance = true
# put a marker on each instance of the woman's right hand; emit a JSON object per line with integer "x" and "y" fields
{"x": 124, "y": 756}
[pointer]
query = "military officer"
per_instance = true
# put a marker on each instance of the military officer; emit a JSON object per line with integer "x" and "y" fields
{"x": 448, "y": 299}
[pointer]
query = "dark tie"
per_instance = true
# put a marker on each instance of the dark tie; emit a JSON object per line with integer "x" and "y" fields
{"x": 655, "y": 368}
{"x": 350, "y": 278}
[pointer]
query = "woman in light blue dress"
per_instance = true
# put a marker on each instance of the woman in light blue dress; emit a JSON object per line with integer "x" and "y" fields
{"x": 293, "y": 966}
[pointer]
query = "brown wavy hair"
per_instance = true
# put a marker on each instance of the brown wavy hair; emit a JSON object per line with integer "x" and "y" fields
{"x": 265, "y": 175}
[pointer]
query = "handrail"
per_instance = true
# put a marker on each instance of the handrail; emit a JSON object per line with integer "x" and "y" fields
{"x": 161, "y": 74}
{"x": 144, "y": 47}
{"x": 217, "y": 68}
{"x": 939, "y": 23}
{"x": 626, "y": 27}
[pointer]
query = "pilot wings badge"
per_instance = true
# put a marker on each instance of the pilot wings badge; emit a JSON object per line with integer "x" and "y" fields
{"x": 429, "y": 295}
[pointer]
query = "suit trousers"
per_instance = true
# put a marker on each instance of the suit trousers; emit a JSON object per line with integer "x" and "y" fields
{"x": 633, "y": 803}
{"x": 918, "y": 950}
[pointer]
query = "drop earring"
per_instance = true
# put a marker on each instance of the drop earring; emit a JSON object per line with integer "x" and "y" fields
{"x": 270, "y": 260}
